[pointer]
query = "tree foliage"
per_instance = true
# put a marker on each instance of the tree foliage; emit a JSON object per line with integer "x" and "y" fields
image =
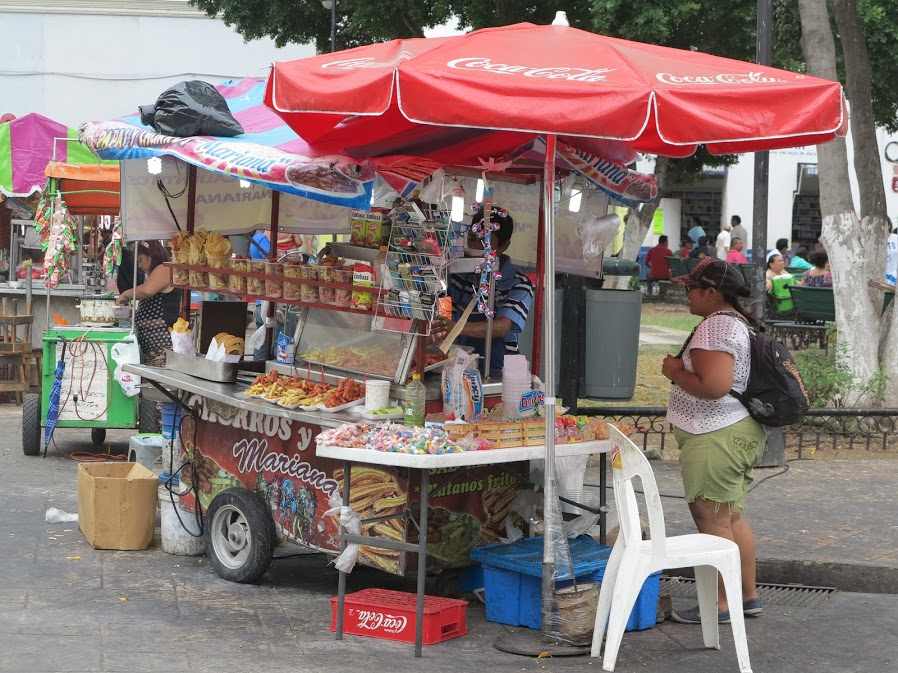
{"x": 302, "y": 21}
{"x": 719, "y": 28}
{"x": 485, "y": 13}
{"x": 879, "y": 22}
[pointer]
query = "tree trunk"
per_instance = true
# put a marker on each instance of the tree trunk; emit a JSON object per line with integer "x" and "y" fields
{"x": 859, "y": 88}
{"x": 850, "y": 242}
{"x": 637, "y": 223}
{"x": 889, "y": 357}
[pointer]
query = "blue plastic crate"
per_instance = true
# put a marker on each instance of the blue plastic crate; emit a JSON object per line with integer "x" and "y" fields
{"x": 512, "y": 581}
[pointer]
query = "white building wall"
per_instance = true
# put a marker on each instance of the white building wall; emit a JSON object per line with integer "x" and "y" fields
{"x": 83, "y": 66}
{"x": 738, "y": 194}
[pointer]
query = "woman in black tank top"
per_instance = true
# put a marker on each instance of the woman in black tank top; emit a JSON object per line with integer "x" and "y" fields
{"x": 159, "y": 303}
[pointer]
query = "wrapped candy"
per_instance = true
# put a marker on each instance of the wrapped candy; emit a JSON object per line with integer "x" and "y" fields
{"x": 61, "y": 241}
{"x": 391, "y": 437}
{"x": 489, "y": 267}
{"x": 112, "y": 255}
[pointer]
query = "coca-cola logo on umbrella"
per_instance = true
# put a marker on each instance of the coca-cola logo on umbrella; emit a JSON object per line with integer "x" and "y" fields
{"x": 368, "y": 62}
{"x": 718, "y": 79}
{"x": 485, "y": 64}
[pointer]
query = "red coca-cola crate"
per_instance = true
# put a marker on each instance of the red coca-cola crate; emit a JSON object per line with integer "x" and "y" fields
{"x": 381, "y": 613}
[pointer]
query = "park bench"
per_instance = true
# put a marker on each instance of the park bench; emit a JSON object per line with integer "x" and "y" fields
{"x": 809, "y": 322}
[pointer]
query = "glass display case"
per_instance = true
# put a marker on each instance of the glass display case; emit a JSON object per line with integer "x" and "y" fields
{"x": 346, "y": 342}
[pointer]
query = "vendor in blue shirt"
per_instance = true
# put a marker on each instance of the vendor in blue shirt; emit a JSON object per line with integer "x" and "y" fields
{"x": 514, "y": 297}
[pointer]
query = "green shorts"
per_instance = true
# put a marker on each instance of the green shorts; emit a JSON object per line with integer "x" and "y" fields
{"x": 717, "y": 465}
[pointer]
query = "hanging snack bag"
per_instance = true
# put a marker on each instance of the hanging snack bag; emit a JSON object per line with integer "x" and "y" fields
{"x": 362, "y": 275}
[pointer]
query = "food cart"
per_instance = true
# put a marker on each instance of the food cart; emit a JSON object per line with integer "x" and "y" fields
{"x": 56, "y": 257}
{"x": 255, "y": 460}
{"x": 578, "y": 101}
{"x": 442, "y": 98}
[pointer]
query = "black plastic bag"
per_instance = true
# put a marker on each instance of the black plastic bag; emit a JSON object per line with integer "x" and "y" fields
{"x": 192, "y": 108}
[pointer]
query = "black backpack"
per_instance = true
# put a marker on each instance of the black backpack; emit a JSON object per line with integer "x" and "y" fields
{"x": 775, "y": 395}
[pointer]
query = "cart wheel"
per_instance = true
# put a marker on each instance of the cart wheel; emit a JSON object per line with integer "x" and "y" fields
{"x": 98, "y": 436}
{"x": 149, "y": 416}
{"x": 31, "y": 425}
{"x": 239, "y": 539}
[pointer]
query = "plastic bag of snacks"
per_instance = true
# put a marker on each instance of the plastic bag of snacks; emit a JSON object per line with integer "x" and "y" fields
{"x": 326, "y": 275}
{"x": 181, "y": 254}
{"x": 237, "y": 282}
{"x": 255, "y": 285}
{"x": 308, "y": 290}
{"x": 218, "y": 253}
{"x": 292, "y": 274}
{"x": 363, "y": 276}
{"x": 182, "y": 337}
{"x": 343, "y": 276}
{"x": 196, "y": 248}
{"x": 274, "y": 279}
{"x": 462, "y": 387}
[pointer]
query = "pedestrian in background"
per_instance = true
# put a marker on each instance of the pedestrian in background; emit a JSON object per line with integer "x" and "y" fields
{"x": 724, "y": 240}
{"x": 738, "y": 231}
{"x": 735, "y": 256}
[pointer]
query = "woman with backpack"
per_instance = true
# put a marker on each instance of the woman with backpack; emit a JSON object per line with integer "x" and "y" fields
{"x": 719, "y": 441}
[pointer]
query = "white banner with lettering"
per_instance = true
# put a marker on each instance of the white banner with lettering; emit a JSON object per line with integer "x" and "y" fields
{"x": 221, "y": 205}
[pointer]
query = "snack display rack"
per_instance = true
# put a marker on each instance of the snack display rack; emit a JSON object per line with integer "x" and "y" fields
{"x": 416, "y": 263}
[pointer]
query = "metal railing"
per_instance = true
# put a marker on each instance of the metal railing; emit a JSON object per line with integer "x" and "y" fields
{"x": 834, "y": 429}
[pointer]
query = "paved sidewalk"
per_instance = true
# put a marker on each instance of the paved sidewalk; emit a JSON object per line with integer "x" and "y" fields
{"x": 824, "y": 522}
{"x": 67, "y": 607}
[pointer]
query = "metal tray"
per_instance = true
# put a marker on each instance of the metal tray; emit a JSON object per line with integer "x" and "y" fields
{"x": 201, "y": 368}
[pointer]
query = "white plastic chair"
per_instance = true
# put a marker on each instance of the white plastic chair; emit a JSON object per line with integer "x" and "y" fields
{"x": 634, "y": 559}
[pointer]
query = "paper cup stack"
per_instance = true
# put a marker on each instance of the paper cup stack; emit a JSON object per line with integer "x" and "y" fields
{"x": 516, "y": 381}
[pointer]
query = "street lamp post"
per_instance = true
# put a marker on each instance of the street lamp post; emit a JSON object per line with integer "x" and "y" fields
{"x": 332, "y": 5}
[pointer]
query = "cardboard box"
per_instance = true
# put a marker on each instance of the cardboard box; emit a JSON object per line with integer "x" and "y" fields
{"x": 117, "y": 504}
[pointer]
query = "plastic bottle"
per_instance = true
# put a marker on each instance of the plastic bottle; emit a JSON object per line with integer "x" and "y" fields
{"x": 416, "y": 396}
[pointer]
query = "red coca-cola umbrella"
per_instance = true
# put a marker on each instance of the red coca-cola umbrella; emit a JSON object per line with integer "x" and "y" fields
{"x": 457, "y": 99}
{"x": 491, "y": 89}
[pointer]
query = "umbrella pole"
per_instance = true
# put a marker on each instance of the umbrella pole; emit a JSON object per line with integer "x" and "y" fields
{"x": 134, "y": 284}
{"x": 551, "y": 513}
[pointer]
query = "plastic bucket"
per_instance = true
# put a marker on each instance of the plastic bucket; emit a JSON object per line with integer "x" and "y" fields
{"x": 577, "y": 612}
{"x": 146, "y": 449}
{"x": 175, "y": 524}
{"x": 172, "y": 458}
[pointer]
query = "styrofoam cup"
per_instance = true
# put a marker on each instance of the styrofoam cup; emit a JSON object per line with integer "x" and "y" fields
{"x": 377, "y": 395}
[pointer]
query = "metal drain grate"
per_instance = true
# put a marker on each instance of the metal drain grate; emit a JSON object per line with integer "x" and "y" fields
{"x": 785, "y": 595}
